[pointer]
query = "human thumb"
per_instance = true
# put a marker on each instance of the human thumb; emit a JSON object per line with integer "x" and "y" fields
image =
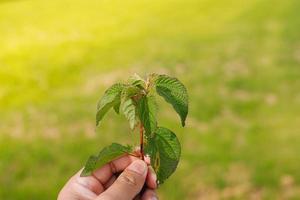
{"x": 128, "y": 184}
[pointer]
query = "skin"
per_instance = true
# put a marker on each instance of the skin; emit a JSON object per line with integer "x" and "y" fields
{"x": 104, "y": 184}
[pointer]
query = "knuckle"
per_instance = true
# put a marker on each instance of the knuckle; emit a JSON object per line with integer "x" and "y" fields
{"x": 113, "y": 167}
{"x": 128, "y": 178}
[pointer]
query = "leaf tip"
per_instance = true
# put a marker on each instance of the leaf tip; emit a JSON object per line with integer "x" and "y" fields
{"x": 85, "y": 173}
{"x": 97, "y": 123}
{"x": 183, "y": 123}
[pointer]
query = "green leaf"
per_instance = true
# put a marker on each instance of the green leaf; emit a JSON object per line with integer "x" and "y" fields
{"x": 164, "y": 150}
{"x": 147, "y": 108}
{"x": 90, "y": 166}
{"x": 130, "y": 91}
{"x": 127, "y": 91}
{"x": 128, "y": 105}
{"x": 136, "y": 80}
{"x": 117, "y": 107}
{"x": 175, "y": 93}
{"x": 110, "y": 98}
{"x": 129, "y": 111}
{"x": 106, "y": 155}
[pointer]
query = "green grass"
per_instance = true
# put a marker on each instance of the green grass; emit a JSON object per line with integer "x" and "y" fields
{"x": 239, "y": 59}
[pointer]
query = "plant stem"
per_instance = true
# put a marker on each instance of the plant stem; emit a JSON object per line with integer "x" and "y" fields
{"x": 142, "y": 140}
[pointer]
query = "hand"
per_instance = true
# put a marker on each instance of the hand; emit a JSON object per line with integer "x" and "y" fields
{"x": 105, "y": 185}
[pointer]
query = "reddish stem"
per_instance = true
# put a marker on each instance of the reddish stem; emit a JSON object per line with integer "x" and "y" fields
{"x": 142, "y": 140}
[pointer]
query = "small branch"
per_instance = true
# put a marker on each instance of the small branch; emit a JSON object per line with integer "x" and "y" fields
{"x": 142, "y": 140}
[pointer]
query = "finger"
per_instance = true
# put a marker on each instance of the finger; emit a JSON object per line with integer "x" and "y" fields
{"x": 137, "y": 197}
{"x": 128, "y": 184}
{"x": 77, "y": 187}
{"x": 110, "y": 181}
{"x": 149, "y": 195}
{"x": 91, "y": 183}
{"x": 76, "y": 191}
{"x": 151, "y": 178}
{"x": 104, "y": 173}
{"x": 147, "y": 159}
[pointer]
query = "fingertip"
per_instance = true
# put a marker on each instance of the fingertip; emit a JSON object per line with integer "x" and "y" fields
{"x": 151, "y": 178}
{"x": 147, "y": 159}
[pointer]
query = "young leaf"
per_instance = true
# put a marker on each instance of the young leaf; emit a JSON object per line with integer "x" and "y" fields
{"x": 117, "y": 107}
{"x": 175, "y": 93}
{"x": 129, "y": 111}
{"x": 128, "y": 106}
{"x": 164, "y": 150}
{"x": 147, "y": 108}
{"x": 130, "y": 91}
{"x": 110, "y": 98}
{"x": 106, "y": 155}
{"x": 136, "y": 80}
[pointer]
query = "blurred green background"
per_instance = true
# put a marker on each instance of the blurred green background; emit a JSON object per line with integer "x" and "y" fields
{"x": 240, "y": 61}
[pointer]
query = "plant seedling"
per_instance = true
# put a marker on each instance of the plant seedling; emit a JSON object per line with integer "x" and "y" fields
{"x": 136, "y": 101}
